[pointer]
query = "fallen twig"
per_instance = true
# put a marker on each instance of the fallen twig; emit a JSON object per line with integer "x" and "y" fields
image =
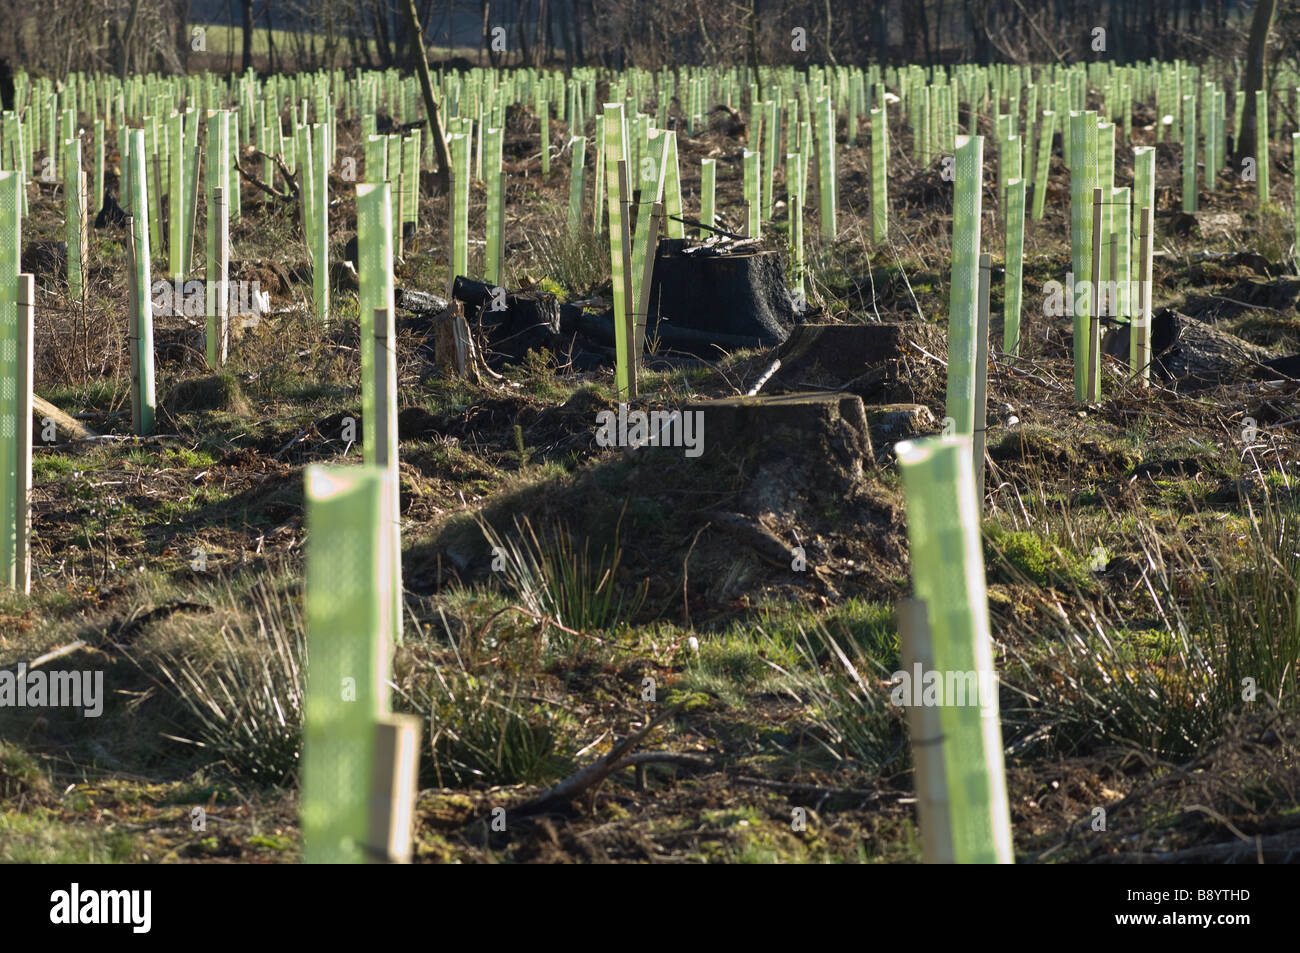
{"x": 593, "y": 774}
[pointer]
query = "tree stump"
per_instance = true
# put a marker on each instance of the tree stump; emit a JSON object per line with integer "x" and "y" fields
{"x": 881, "y": 363}
{"x": 739, "y": 296}
{"x": 1189, "y": 353}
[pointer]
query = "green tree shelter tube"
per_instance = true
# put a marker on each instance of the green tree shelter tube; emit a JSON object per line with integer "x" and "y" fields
{"x": 348, "y": 601}
{"x": 945, "y": 545}
{"x": 217, "y": 176}
{"x": 577, "y": 158}
{"x": 1083, "y": 179}
{"x": 708, "y": 183}
{"x": 14, "y": 405}
{"x": 375, "y": 301}
{"x": 879, "y": 175}
{"x": 141, "y": 319}
{"x": 1015, "y": 256}
{"x": 968, "y": 190}
{"x": 615, "y": 147}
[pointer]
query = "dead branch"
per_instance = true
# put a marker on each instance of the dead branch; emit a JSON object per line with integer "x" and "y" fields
{"x": 593, "y": 774}
{"x": 290, "y": 196}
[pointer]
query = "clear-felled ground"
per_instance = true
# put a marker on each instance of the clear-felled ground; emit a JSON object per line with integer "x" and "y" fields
{"x": 1141, "y": 561}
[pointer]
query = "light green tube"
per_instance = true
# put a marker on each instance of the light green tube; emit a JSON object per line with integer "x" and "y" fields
{"x": 943, "y": 531}
{"x": 1015, "y": 266}
{"x": 348, "y": 601}
{"x": 968, "y": 190}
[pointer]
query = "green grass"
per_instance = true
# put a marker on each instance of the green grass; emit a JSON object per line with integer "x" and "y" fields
{"x": 39, "y": 839}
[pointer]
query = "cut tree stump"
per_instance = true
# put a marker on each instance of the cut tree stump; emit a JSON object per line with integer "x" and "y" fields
{"x": 1189, "y": 353}
{"x": 791, "y": 447}
{"x": 529, "y": 321}
{"x": 739, "y": 297}
{"x": 887, "y": 362}
{"x": 796, "y": 490}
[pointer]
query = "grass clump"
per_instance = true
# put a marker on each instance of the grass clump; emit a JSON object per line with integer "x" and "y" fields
{"x": 212, "y": 392}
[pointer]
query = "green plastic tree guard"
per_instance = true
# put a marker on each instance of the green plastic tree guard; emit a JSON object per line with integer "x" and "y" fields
{"x": 753, "y": 228}
{"x": 378, "y": 352}
{"x": 879, "y": 175}
{"x": 619, "y": 191}
{"x": 140, "y": 317}
{"x": 1189, "y": 154}
{"x": 673, "y": 226}
{"x": 348, "y": 602}
{"x": 318, "y": 156}
{"x": 15, "y": 398}
{"x": 968, "y": 188}
{"x": 1121, "y": 248}
{"x": 216, "y": 178}
{"x": 176, "y": 197}
{"x": 826, "y": 187}
{"x": 492, "y": 139}
{"x": 1015, "y": 266}
{"x": 74, "y": 217}
{"x": 459, "y": 263}
{"x": 943, "y": 530}
{"x": 1044, "y": 159}
{"x": 1083, "y": 179}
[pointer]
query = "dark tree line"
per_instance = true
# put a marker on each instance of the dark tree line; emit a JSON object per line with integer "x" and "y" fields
{"x": 57, "y": 35}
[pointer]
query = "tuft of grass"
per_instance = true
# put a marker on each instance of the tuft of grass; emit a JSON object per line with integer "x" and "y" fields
{"x": 241, "y": 688}
{"x": 211, "y": 392}
{"x": 557, "y": 579}
{"x": 1226, "y": 640}
{"x": 486, "y": 728}
{"x": 20, "y": 773}
{"x": 852, "y": 716}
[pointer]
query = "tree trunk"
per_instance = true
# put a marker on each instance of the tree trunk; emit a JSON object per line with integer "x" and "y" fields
{"x": 270, "y": 38}
{"x": 181, "y": 11}
{"x": 1256, "y": 76}
{"x": 379, "y": 15}
{"x": 246, "y": 14}
{"x": 430, "y": 102}
{"x": 576, "y": 17}
{"x": 128, "y": 31}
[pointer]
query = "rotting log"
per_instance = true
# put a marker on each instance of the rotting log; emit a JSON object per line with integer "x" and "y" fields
{"x": 70, "y": 426}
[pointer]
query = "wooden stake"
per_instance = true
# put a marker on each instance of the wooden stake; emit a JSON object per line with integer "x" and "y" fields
{"x": 629, "y": 317}
{"x": 381, "y": 422}
{"x": 393, "y": 788}
{"x": 1143, "y": 325}
{"x": 647, "y": 276}
{"x": 926, "y": 734}
{"x": 981, "y": 377}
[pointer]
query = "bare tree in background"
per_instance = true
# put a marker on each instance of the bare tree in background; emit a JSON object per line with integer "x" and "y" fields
{"x": 1256, "y": 74}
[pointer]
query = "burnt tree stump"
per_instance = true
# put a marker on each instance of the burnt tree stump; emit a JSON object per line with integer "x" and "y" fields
{"x": 702, "y": 298}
